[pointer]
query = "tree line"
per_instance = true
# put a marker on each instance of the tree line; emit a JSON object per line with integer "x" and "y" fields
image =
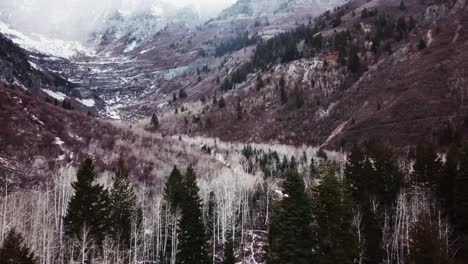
{"x": 375, "y": 208}
{"x": 356, "y": 216}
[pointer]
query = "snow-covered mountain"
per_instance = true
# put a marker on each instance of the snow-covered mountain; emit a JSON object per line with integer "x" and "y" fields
{"x": 131, "y": 28}
{"x": 41, "y": 44}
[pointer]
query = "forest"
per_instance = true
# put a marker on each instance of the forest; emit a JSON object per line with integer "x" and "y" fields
{"x": 373, "y": 207}
{"x": 306, "y": 41}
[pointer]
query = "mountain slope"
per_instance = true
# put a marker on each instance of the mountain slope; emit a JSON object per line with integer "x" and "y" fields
{"x": 409, "y": 84}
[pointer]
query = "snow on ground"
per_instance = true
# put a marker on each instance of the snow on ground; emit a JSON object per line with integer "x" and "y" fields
{"x": 174, "y": 72}
{"x": 130, "y": 47}
{"x": 39, "y": 43}
{"x": 87, "y": 102}
{"x": 35, "y": 66}
{"x": 37, "y": 119}
{"x": 323, "y": 113}
{"x": 146, "y": 50}
{"x": 56, "y": 95}
{"x": 34, "y": 117}
{"x": 162, "y": 105}
{"x": 112, "y": 113}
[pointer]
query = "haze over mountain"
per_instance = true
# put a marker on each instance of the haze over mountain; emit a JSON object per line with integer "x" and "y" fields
{"x": 75, "y": 20}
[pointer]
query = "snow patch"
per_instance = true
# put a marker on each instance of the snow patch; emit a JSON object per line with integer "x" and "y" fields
{"x": 145, "y": 51}
{"x": 37, "y": 120}
{"x": 87, "y": 102}
{"x": 130, "y": 46}
{"x": 323, "y": 113}
{"x": 173, "y": 73}
{"x": 112, "y": 113}
{"x": 161, "y": 105}
{"x": 58, "y": 141}
{"x": 35, "y": 66}
{"x": 56, "y": 95}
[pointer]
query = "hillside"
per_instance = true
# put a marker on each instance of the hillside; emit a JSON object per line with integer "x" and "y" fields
{"x": 279, "y": 131}
{"x": 327, "y": 104}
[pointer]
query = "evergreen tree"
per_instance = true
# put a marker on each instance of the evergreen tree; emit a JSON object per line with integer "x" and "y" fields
{"x": 221, "y": 103}
{"x": 259, "y": 84}
{"x": 183, "y": 94}
{"x": 448, "y": 176}
{"x": 342, "y": 57}
{"x": 426, "y": 166}
{"x": 336, "y": 234}
{"x": 283, "y": 94}
{"x": 384, "y": 174}
{"x": 422, "y": 44}
{"x": 155, "y": 121}
{"x": 172, "y": 204}
{"x": 291, "y": 234}
{"x": 426, "y": 246}
{"x": 355, "y": 174}
{"x": 173, "y": 189}
{"x": 354, "y": 63}
{"x": 229, "y": 257}
{"x": 124, "y": 212}
{"x": 402, "y": 6}
{"x": 461, "y": 202}
{"x": 365, "y": 13}
{"x": 364, "y": 182}
{"x": 239, "y": 110}
{"x": 372, "y": 234}
{"x": 192, "y": 246}
{"x": 15, "y": 251}
{"x": 87, "y": 218}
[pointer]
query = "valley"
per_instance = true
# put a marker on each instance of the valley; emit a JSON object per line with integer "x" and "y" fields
{"x": 277, "y": 131}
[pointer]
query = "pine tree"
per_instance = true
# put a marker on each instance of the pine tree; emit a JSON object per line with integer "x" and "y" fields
{"x": 15, "y": 251}
{"x": 155, "y": 121}
{"x": 354, "y": 63}
{"x": 291, "y": 237}
{"x": 372, "y": 234}
{"x": 125, "y": 214}
{"x": 337, "y": 237}
{"x": 172, "y": 204}
{"x": 385, "y": 179}
{"x": 87, "y": 218}
{"x": 422, "y": 44}
{"x": 426, "y": 246}
{"x": 355, "y": 174}
{"x": 363, "y": 182}
{"x": 427, "y": 166}
{"x": 283, "y": 95}
{"x": 461, "y": 202}
{"x": 221, "y": 103}
{"x": 192, "y": 246}
{"x": 239, "y": 110}
{"x": 229, "y": 257}
{"x": 448, "y": 176}
{"x": 259, "y": 85}
{"x": 173, "y": 189}
{"x": 342, "y": 57}
{"x": 402, "y": 6}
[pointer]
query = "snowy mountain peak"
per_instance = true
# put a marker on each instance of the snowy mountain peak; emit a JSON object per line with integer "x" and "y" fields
{"x": 42, "y": 44}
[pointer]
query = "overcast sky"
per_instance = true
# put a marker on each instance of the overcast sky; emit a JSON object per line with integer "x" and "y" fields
{"x": 74, "y": 19}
